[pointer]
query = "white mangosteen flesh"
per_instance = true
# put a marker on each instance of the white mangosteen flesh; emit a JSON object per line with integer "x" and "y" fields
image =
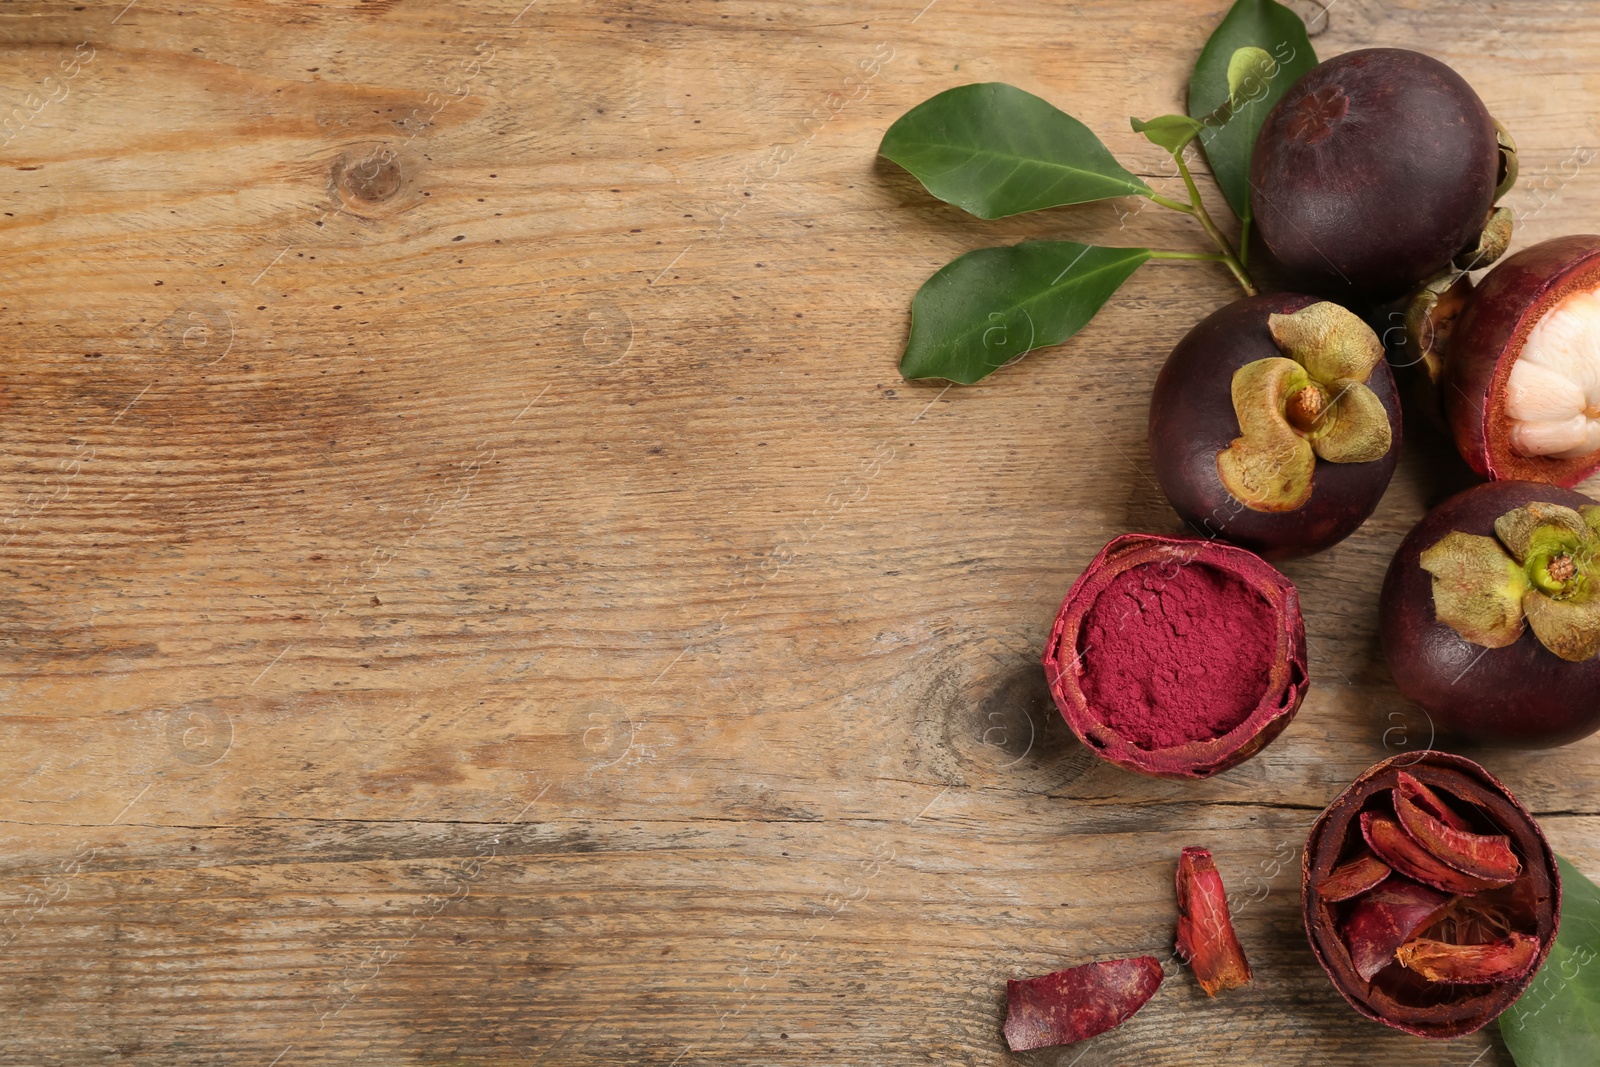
{"x": 1553, "y": 390}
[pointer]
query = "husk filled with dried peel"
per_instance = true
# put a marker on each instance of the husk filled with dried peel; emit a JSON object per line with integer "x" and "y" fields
{"x": 1431, "y": 961}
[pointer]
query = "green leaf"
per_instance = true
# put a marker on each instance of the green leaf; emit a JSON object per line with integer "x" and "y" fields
{"x": 996, "y": 151}
{"x": 1556, "y": 1023}
{"x": 1171, "y": 132}
{"x": 1231, "y": 130}
{"x": 990, "y": 306}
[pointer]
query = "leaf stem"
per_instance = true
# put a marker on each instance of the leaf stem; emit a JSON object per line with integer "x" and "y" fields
{"x": 1205, "y": 257}
{"x": 1169, "y": 202}
{"x": 1199, "y": 211}
{"x": 1244, "y": 242}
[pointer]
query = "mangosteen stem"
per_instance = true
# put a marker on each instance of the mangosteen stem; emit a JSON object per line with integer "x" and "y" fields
{"x": 1199, "y": 209}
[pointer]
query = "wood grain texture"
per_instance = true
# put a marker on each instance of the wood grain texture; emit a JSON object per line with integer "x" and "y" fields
{"x": 477, "y": 590}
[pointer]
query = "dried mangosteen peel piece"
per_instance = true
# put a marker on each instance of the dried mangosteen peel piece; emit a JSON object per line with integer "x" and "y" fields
{"x": 1206, "y": 938}
{"x": 1550, "y": 577}
{"x": 1360, "y": 932}
{"x": 1077, "y": 1003}
{"x": 1312, "y": 403}
{"x": 1485, "y": 856}
{"x": 1430, "y": 802}
{"x": 1492, "y": 242}
{"x": 1389, "y": 840}
{"x": 1385, "y": 919}
{"x": 1352, "y": 879}
{"x": 1440, "y": 961}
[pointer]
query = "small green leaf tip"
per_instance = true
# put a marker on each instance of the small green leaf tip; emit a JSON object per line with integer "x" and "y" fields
{"x": 1171, "y": 132}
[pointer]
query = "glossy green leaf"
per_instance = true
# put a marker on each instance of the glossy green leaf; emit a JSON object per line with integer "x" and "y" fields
{"x": 990, "y": 306}
{"x": 1556, "y": 1023}
{"x": 1231, "y": 129}
{"x": 1171, "y": 132}
{"x": 996, "y": 150}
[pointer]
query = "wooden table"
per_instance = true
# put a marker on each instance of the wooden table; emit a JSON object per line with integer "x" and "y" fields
{"x": 477, "y": 590}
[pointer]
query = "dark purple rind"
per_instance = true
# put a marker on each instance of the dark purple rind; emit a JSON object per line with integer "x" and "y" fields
{"x": 1333, "y": 837}
{"x": 1487, "y": 340}
{"x": 1522, "y": 694}
{"x": 1400, "y": 184}
{"x": 1286, "y": 685}
{"x": 1192, "y": 420}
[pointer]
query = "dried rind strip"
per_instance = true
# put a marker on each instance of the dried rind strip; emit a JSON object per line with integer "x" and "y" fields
{"x": 1385, "y": 919}
{"x": 1499, "y": 961}
{"x": 1077, "y": 1003}
{"x": 1399, "y": 850}
{"x": 1353, "y": 878}
{"x": 1485, "y": 856}
{"x": 1206, "y": 937}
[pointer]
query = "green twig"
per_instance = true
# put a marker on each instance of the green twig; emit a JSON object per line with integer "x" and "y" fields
{"x": 1169, "y": 202}
{"x": 1204, "y": 257}
{"x": 1199, "y": 211}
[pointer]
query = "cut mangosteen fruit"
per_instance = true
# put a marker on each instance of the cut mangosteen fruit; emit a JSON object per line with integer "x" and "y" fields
{"x": 1522, "y": 370}
{"x": 1177, "y": 657}
{"x": 1275, "y": 423}
{"x": 1374, "y": 171}
{"x": 1490, "y": 615}
{"x": 1429, "y": 962}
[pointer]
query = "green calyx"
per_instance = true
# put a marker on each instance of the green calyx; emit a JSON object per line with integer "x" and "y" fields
{"x": 1310, "y": 403}
{"x": 1542, "y": 567}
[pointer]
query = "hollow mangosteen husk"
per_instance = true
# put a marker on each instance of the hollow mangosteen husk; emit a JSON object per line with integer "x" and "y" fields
{"x": 1192, "y": 420}
{"x": 1521, "y": 695}
{"x": 1282, "y": 695}
{"x": 1487, "y": 339}
{"x": 1531, "y": 905}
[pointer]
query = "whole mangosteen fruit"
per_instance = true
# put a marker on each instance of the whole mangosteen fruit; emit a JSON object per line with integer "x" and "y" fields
{"x": 1374, "y": 171}
{"x": 1490, "y": 615}
{"x": 1522, "y": 365}
{"x": 1177, "y": 657}
{"x": 1275, "y": 423}
{"x": 1432, "y": 962}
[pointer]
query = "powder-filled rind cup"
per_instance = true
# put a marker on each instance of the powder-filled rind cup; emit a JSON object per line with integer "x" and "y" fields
{"x": 1177, "y": 657}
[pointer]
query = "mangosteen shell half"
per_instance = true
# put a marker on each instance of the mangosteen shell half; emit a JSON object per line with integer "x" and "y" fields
{"x": 1192, "y": 419}
{"x": 1372, "y": 172}
{"x": 1287, "y": 682}
{"x": 1504, "y": 307}
{"x": 1521, "y": 695}
{"x": 1336, "y": 836}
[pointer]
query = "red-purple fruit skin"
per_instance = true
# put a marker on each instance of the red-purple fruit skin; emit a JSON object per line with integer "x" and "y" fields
{"x": 1372, "y": 172}
{"x": 1523, "y": 694}
{"x": 1192, "y": 419}
{"x": 1505, "y": 305}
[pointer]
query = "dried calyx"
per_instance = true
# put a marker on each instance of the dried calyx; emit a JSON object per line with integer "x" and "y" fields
{"x": 1431, "y": 319}
{"x": 1310, "y": 403}
{"x": 1430, "y": 896}
{"x": 1542, "y": 566}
